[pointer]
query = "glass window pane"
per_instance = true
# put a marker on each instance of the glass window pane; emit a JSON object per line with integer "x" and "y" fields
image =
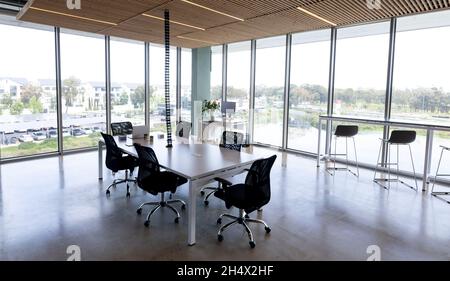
{"x": 157, "y": 89}
{"x": 127, "y": 81}
{"x": 186, "y": 84}
{"x": 216, "y": 72}
{"x": 269, "y": 90}
{"x": 238, "y": 85}
{"x": 361, "y": 70}
{"x": 84, "y": 90}
{"x": 27, "y": 89}
{"x": 310, "y": 60}
{"x": 421, "y": 82}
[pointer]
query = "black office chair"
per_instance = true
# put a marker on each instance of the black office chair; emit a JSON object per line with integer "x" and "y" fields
{"x": 121, "y": 128}
{"x": 398, "y": 138}
{"x": 230, "y": 140}
{"x": 117, "y": 161}
{"x": 183, "y": 129}
{"x": 153, "y": 180}
{"x": 247, "y": 197}
{"x": 346, "y": 132}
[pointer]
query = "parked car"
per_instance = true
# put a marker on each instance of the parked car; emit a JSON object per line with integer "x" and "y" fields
{"x": 77, "y": 132}
{"x": 96, "y": 129}
{"x": 38, "y": 136}
{"x": 66, "y": 133}
{"x": 17, "y": 131}
{"x": 25, "y": 138}
{"x": 87, "y": 130}
{"x": 52, "y": 134}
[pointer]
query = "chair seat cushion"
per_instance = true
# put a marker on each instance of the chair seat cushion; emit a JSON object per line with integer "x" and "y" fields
{"x": 161, "y": 182}
{"x": 239, "y": 196}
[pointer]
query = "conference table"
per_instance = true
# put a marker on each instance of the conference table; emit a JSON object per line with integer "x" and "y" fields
{"x": 430, "y": 129}
{"x": 198, "y": 163}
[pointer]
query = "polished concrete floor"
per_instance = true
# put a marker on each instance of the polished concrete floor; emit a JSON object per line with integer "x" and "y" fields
{"x": 48, "y": 204}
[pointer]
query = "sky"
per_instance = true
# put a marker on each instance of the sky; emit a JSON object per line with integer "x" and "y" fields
{"x": 422, "y": 60}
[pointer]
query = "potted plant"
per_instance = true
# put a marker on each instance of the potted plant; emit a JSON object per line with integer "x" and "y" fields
{"x": 210, "y": 106}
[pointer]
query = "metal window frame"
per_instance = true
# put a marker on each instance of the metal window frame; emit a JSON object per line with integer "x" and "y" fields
{"x": 224, "y": 71}
{"x": 178, "y": 86}
{"x": 331, "y": 80}
{"x": 252, "y": 92}
{"x": 59, "y": 119}
{"x": 108, "y": 82}
{"x": 287, "y": 90}
{"x": 147, "y": 84}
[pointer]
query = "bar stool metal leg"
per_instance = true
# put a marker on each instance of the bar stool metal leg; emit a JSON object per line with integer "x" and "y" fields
{"x": 440, "y": 194}
{"x": 347, "y": 161}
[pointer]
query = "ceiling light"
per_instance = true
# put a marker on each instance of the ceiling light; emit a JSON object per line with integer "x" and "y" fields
{"x": 212, "y": 10}
{"x": 192, "y": 39}
{"x": 316, "y": 16}
{"x": 72, "y": 16}
{"x": 175, "y": 22}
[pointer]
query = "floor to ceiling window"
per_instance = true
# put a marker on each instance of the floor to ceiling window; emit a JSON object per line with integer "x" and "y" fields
{"x": 238, "y": 85}
{"x": 84, "y": 90}
{"x": 27, "y": 89}
{"x": 157, "y": 89}
{"x": 421, "y": 77}
{"x": 127, "y": 81}
{"x": 216, "y": 72}
{"x": 310, "y": 61}
{"x": 269, "y": 90}
{"x": 186, "y": 84}
{"x": 362, "y": 54}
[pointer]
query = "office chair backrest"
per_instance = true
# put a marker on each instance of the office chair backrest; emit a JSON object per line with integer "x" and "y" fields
{"x": 258, "y": 180}
{"x": 183, "y": 129}
{"x": 346, "y": 131}
{"x": 232, "y": 140}
{"x": 113, "y": 152}
{"x": 148, "y": 162}
{"x": 121, "y": 128}
{"x": 402, "y": 137}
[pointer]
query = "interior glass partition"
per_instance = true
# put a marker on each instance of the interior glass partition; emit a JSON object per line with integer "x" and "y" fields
{"x": 308, "y": 99}
{"x": 84, "y": 89}
{"x": 28, "y": 118}
{"x": 269, "y": 90}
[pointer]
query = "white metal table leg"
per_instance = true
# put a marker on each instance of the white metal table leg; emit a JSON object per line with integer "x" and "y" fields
{"x": 318, "y": 143}
{"x": 192, "y": 206}
{"x": 427, "y": 164}
{"x": 100, "y": 160}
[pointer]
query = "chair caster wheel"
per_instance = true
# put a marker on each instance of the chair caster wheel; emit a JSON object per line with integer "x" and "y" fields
{"x": 247, "y": 216}
{"x": 219, "y": 221}
{"x": 206, "y": 203}
{"x": 220, "y": 237}
{"x": 202, "y": 193}
{"x": 147, "y": 223}
{"x": 128, "y": 195}
{"x": 183, "y": 207}
{"x": 139, "y": 211}
{"x": 252, "y": 244}
{"x": 268, "y": 229}
{"x": 177, "y": 220}
{"x": 108, "y": 193}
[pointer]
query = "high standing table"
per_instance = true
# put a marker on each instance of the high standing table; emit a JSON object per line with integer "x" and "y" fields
{"x": 199, "y": 163}
{"x": 430, "y": 128}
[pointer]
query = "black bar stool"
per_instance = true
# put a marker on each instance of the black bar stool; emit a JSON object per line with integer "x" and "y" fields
{"x": 344, "y": 131}
{"x": 440, "y": 194}
{"x": 398, "y": 138}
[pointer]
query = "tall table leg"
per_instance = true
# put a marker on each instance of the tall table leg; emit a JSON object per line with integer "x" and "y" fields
{"x": 427, "y": 164}
{"x": 318, "y": 143}
{"x": 192, "y": 213}
{"x": 100, "y": 160}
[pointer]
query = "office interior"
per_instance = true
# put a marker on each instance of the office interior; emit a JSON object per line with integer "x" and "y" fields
{"x": 248, "y": 130}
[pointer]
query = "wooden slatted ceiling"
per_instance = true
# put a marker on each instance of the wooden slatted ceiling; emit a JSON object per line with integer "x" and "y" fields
{"x": 263, "y": 18}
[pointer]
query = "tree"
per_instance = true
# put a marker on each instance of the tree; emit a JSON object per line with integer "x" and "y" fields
{"x": 28, "y": 92}
{"x": 138, "y": 97}
{"x": 123, "y": 99}
{"x": 71, "y": 90}
{"x": 7, "y": 101}
{"x": 36, "y": 105}
{"x": 16, "y": 108}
